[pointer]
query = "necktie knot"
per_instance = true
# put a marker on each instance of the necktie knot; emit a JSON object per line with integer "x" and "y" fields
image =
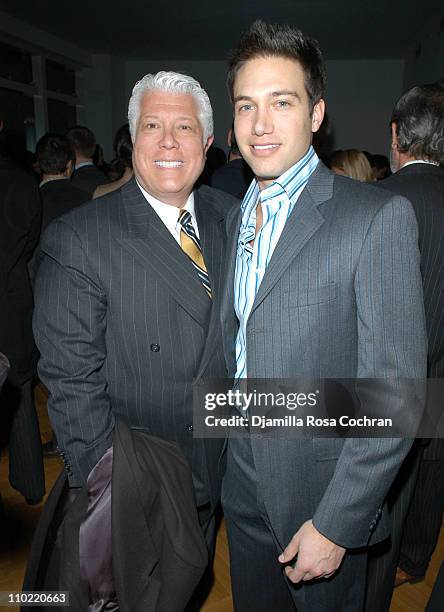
{"x": 184, "y": 217}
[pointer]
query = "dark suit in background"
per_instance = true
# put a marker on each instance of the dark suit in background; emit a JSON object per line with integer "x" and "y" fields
{"x": 20, "y": 218}
{"x": 417, "y": 498}
{"x": 235, "y": 178}
{"x": 58, "y": 197}
{"x": 87, "y": 178}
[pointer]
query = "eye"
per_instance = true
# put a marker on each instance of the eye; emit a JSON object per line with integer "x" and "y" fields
{"x": 244, "y": 108}
{"x": 185, "y": 127}
{"x": 282, "y": 103}
{"x": 150, "y": 125}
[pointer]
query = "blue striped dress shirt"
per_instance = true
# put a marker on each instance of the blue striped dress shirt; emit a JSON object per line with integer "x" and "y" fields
{"x": 277, "y": 202}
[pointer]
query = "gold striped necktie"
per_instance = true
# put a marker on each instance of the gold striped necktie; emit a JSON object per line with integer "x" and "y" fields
{"x": 190, "y": 244}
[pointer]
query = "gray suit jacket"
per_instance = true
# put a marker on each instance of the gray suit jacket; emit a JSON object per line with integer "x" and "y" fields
{"x": 124, "y": 326}
{"x": 341, "y": 298}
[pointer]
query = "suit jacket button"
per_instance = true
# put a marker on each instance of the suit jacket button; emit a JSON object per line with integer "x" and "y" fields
{"x": 155, "y": 348}
{"x": 189, "y": 427}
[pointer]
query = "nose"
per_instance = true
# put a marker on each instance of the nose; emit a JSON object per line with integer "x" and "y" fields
{"x": 168, "y": 139}
{"x": 263, "y": 121}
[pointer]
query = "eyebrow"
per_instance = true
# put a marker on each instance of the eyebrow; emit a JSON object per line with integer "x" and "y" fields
{"x": 179, "y": 118}
{"x": 273, "y": 94}
{"x": 285, "y": 92}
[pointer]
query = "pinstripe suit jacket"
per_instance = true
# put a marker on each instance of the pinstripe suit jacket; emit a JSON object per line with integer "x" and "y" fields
{"x": 124, "y": 326}
{"x": 341, "y": 298}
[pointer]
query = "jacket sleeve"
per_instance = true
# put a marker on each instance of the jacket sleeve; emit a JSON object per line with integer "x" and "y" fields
{"x": 393, "y": 349}
{"x": 69, "y": 327}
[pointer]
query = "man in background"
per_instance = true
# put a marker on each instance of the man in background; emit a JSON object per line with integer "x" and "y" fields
{"x": 20, "y": 218}
{"x": 56, "y": 159}
{"x": 86, "y": 175}
{"x": 236, "y": 176}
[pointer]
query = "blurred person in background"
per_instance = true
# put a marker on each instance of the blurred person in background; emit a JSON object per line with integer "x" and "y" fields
{"x": 56, "y": 158}
{"x": 122, "y": 165}
{"x": 380, "y": 165}
{"x": 86, "y": 175}
{"x": 20, "y": 218}
{"x": 235, "y": 176}
{"x": 352, "y": 163}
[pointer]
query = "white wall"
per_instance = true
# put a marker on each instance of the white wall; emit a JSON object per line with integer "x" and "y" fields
{"x": 425, "y": 59}
{"x": 360, "y": 98}
{"x": 104, "y": 98}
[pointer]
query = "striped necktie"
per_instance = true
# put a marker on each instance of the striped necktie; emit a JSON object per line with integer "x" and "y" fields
{"x": 190, "y": 244}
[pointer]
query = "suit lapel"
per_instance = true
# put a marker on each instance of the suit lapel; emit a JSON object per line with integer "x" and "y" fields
{"x": 212, "y": 238}
{"x": 227, "y": 313}
{"x": 147, "y": 239}
{"x": 211, "y": 230}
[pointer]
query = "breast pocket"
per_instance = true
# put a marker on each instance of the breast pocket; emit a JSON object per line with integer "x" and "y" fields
{"x": 296, "y": 298}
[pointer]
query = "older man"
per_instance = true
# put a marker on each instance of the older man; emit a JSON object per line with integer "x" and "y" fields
{"x": 323, "y": 282}
{"x": 126, "y": 294}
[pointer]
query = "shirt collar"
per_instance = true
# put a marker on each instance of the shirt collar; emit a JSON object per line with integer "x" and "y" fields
{"x": 168, "y": 213}
{"x": 420, "y": 161}
{"x": 53, "y": 178}
{"x": 83, "y": 164}
{"x": 288, "y": 183}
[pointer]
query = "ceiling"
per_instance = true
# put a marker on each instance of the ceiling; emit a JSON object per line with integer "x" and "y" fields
{"x": 208, "y": 29}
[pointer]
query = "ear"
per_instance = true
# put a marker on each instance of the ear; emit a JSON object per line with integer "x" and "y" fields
{"x": 210, "y": 141}
{"x": 394, "y": 136}
{"x": 69, "y": 168}
{"x": 229, "y": 137}
{"x": 317, "y": 115}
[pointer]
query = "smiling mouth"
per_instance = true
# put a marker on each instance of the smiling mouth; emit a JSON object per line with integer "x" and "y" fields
{"x": 264, "y": 147}
{"x": 168, "y": 164}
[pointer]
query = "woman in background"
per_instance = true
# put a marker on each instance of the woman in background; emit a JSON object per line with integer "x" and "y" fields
{"x": 352, "y": 163}
{"x": 122, "y": 164}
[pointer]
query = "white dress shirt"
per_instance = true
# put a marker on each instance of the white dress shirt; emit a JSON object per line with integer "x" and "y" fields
{"x": 170, "y": 214}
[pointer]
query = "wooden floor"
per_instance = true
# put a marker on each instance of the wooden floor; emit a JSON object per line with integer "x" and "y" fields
{"x": 22, "y": 520}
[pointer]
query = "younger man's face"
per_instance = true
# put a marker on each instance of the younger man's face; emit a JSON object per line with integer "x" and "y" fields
{"x": 272, "y": 120}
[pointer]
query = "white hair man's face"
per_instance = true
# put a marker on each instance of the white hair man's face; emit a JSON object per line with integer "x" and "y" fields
{"x": 169, "y": 152}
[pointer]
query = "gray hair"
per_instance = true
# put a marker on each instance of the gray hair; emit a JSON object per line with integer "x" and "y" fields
{"x": 418, "y": 116}
{"x": 172, "y": 82}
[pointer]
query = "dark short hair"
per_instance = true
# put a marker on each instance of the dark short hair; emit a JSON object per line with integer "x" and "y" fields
{"x": 281, "y": 40}
{"x": 419, "y": 119}
{"x": 53, "y": 152}
{"x": 82, "y": 140}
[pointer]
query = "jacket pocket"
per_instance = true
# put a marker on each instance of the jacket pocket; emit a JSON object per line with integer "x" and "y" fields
{"x": 312, "y": 295}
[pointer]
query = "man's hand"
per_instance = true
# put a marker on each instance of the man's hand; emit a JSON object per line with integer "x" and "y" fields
{"x": 317, "y": 556}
